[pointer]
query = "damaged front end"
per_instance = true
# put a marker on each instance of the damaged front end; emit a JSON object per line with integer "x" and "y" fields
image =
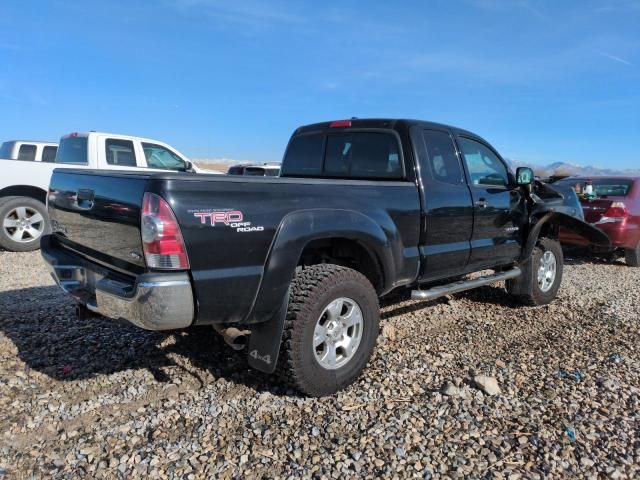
{"x": 549, "y": 210}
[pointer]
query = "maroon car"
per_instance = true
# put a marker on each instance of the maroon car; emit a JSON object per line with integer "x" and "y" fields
{"x": 614, "y": 207}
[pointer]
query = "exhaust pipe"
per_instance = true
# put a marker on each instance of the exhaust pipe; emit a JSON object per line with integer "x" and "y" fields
{"x": 235, "y": 338}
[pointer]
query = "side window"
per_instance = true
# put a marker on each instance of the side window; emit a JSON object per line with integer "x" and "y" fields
{"x": 120, "y": 152}
{"x": 363, "y": 155}
{"x": 484, "y": 167}
{"x": 27, "y": 152}
{"x": 49, "y": 154}
{"x": 443, "y": 161}
{"x": 162, "y": 158}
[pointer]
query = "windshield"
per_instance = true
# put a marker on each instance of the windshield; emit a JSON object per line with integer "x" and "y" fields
{"x": 72, "y": 150}
{"x": 602, "y": 187}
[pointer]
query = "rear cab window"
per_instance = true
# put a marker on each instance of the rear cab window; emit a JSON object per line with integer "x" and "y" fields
{"x": 348, "y": 155}
{"x": 6, "y": 150}
{"x": 72, "y": 150}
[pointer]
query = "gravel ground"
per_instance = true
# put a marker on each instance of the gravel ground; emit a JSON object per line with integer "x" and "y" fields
{"x": 102, "y": 399}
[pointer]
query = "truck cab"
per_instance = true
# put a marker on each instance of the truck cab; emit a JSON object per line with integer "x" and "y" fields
{"x": 100, "y": 150}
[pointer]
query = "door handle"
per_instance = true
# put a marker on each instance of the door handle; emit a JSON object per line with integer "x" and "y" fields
{"x": 482, "y": 203}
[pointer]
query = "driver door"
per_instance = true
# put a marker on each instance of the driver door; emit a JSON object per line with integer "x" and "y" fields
{"x": 496, "y": 206}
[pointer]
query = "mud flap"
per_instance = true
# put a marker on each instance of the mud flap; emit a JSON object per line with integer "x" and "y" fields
{"x": 265, "y": 340}
{"x": 523, "y": 284}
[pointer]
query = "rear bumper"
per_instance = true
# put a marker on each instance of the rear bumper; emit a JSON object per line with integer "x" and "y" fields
{"x": 153, "y": 301}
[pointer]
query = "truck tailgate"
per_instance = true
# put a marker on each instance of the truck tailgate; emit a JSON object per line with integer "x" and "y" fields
{"x": 98, "y": 214}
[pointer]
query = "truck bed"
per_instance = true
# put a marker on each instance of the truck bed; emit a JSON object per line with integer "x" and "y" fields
{"x": 230, "y": 226}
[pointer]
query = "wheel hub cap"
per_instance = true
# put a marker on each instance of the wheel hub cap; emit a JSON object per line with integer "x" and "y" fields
{"x": 338, "y": 333}
{"x": 547, "y": 271}
{"x": 23, "y": 224}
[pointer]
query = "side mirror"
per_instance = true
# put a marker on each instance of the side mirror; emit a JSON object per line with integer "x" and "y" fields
{"x": 524, "y": 176}
{"x": 188, "y": 166}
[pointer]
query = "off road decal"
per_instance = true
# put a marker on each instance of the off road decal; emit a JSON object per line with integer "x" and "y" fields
{"x": 226, "y": 218}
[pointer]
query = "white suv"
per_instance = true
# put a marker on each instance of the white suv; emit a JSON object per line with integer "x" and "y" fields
{"x": 24, "y": 183}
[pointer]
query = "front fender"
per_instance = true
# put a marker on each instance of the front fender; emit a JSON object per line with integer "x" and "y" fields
{"x": 591, "y": 233}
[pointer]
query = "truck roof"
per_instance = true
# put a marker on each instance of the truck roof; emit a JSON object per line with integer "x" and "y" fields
{"x": 390, "y": 123}
{"x": 112, "y": 135}
{"x": 36, "y": 142}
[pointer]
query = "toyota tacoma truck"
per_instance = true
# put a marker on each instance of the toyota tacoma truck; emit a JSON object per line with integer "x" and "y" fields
{"x": 292, "y": 267}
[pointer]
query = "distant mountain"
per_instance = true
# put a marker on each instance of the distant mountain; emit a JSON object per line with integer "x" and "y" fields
{"x": 564, "y": 168}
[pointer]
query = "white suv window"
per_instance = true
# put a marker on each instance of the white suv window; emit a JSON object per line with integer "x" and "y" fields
{"x": 160, "y": 157}
{"x": 27, "y": 152}
{"x": 120, "y": 152}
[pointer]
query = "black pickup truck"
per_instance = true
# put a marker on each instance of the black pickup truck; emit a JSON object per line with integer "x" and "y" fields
{"x": 291, "y": 268}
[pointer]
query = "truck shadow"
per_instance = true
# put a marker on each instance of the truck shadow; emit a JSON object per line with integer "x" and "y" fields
{"x": 41, "y": 323}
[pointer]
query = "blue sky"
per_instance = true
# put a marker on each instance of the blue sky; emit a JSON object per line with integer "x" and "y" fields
{"x": 543, "y": 81}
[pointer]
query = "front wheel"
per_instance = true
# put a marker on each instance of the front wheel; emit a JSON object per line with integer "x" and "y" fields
{"x": 632, "y": 256}
{"x": 330, "y": 330}
{"x": 23, "y": 221}
{"x": 542, "y": 275}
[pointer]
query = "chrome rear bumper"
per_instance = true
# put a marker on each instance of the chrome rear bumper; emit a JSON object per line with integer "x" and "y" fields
{"x": 153, "y": 301}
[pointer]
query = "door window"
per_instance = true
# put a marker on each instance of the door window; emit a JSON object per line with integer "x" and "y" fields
{"x": 160, "y": 157}
{"x": 120, "y": 152}
{"x": 49, "y": 154}
{"x": 443, "y": 161}
{"x": 484, "y": 167}
{"x": 27, "y": 152}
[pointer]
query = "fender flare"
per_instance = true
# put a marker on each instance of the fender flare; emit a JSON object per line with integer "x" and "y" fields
{"x": 295, "y": 231}
{"x": 591, "y": 233}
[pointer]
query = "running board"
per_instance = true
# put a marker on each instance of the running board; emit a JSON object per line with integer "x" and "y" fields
{"x": 463, "y": 285}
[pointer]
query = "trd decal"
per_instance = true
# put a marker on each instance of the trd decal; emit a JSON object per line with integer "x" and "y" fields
{"x": 225, "y": 218}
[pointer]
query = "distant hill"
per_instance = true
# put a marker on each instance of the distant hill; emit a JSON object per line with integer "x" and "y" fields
{"x": 564, "y": 168}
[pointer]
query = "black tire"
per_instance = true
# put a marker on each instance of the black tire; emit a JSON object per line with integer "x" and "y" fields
{"x": 632, "y": 256}
{"x": 8, "y": 209}
{"x": 313, "y": 289}
{"x": 526, "y": 287}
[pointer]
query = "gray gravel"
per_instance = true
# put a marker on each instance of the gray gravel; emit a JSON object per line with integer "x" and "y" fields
{"x": 102, "y": 399}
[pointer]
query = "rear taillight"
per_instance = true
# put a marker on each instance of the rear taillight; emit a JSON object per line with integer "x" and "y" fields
{"x": 617, "y": 210}
{"x": 161, "y": 237}
{"x": 616, "y": 213}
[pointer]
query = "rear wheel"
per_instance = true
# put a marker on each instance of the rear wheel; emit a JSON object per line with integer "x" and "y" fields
{"x": 23, "y": 221}
{"x": 540, "y": 281}
{"x": 632, "y": 255}
{"x": 330, "y": 331}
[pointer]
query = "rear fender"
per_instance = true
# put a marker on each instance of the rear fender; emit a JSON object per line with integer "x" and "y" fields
{"x": 591, "y": 233}
{"x": 294, "y": 233}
